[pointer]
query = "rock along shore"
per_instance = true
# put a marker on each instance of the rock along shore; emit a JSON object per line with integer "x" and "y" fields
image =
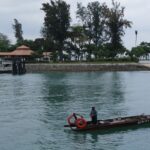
{"x": 82, "y": 67}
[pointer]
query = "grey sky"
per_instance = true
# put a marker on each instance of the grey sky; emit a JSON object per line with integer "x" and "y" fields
{"x": 31, "y": 17}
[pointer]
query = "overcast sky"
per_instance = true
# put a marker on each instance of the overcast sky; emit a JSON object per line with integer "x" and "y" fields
{"x": 28, "y": 13}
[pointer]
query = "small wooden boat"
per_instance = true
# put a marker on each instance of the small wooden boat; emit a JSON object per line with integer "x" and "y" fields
{"x": 77, "y": 122}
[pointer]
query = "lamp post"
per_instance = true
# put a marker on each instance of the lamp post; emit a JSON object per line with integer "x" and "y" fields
{"x": 136, "y": 33}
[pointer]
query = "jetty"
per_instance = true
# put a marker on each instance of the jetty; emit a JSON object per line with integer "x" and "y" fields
{"x": 5, "y": 66}
{"x": 5, "y": 69}
{"x": 14, "y": 61}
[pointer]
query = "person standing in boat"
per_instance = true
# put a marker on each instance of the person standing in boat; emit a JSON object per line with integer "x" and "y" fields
{"x": 93, "y": 115}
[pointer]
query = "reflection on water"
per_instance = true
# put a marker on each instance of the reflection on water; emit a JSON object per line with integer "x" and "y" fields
{"x": 96, "y": 140}
{"x": 34, "y": 108}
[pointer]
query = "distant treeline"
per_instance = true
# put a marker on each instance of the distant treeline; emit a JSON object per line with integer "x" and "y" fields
{"x": 97, "y": 36}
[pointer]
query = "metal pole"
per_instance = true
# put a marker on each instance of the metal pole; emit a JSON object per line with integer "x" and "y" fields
{"x": 136, "y": 32}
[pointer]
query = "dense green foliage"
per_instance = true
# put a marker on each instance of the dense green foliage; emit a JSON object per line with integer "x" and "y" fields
{"x": 76, "y": 42}
{"x": 93, "y": 19}
{"x": 142, "y": 50}
{"x": 104, "y": 28}
{"x": 4, "y": 42}
{"x": 116, "y": 24}
{"x": 56, "y": 23}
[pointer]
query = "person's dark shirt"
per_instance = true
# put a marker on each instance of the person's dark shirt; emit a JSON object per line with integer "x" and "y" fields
{"x": 93, "y": 113}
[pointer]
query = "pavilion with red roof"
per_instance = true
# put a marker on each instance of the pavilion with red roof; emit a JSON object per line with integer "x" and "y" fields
{"x": 20, "y": 51}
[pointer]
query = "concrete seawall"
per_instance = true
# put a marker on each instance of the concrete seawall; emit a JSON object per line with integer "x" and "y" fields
{"x": 37, "y": 68}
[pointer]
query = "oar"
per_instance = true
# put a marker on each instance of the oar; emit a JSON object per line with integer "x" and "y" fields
{"x": 73, "y": 125}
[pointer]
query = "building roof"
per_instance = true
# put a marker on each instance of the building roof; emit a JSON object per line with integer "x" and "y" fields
{"x": 4, "y": 53}
{"x": 47, "y": 53}
{"x": 20, "y": 51}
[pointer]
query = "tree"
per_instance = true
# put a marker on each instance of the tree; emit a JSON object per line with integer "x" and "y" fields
{"x": 4, "y": 42}
{"x": 56, "y": 23}
{"x": 78, "y": 40}
{"x": 142, "y": 50}
{"x": 116, "y": 25}
{"x": 18, "y": 31}
{"x": 93, "y": 18}
{"x": 29, "y": 43}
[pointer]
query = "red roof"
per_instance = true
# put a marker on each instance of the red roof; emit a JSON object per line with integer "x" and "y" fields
{"x": 20, "y": 51}
{"x": 4, "y": 53}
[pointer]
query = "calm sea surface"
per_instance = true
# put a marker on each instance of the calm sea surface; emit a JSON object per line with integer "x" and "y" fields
{"x": 34, "y": 108}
